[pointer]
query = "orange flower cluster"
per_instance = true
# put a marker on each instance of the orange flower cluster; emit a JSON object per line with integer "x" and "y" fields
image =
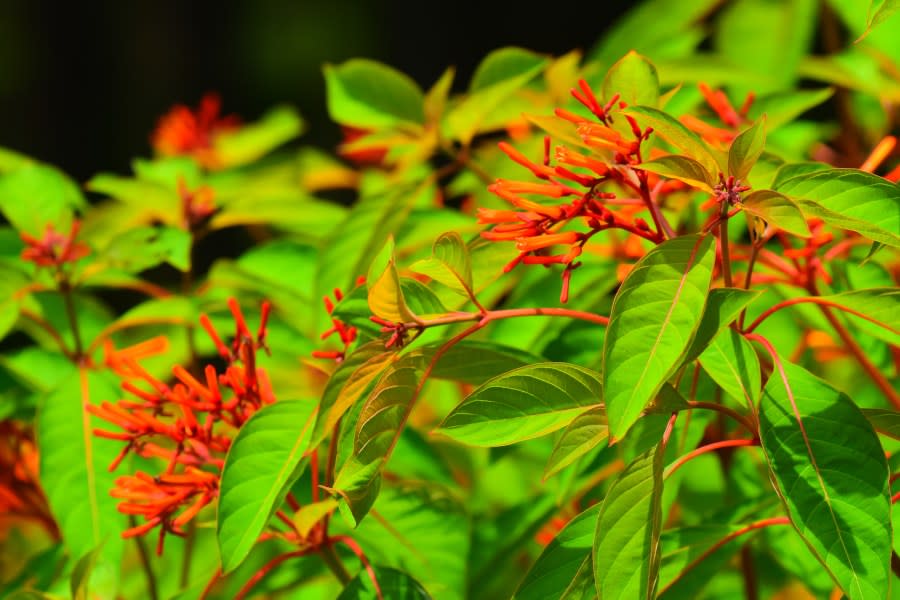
{"x": 189, "y": 424}
{"x": 183, "y": 132}
{"x": 21, "y": 497}
{"x": 54, "y": 249}
{"x": 537, "y": 226}
{"x": 196, "y": 205}
{"x": 346, "y": 333}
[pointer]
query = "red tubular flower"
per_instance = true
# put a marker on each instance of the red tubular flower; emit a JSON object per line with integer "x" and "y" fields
{"x": 189, "y": 423}
{"x": 541, "y": 222}
{"x": 346, "y": 333}
{"x": 21, "y": 496}
{"x": 54, "y": 249}
{"x": 183, "y": 132}
{"x": 721, "y": 106}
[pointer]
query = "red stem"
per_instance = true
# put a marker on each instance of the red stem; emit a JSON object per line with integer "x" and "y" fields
{"x": 707, "y": 448}
{"x": 809, "y": 300}
{"x": 735, "y": 534}
{"x": 264, "y": 570}
{"x": 494, "y": 315}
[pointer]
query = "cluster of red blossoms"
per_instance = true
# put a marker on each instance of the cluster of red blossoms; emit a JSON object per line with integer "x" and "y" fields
{"x": 536, "y": 227}
{"x": 189, "y": 424}
{"x": 54, "y": 249}
{"x": 346, "y": 333}
{"x": 182, "y": 131}
{"x": 21, "y": 497}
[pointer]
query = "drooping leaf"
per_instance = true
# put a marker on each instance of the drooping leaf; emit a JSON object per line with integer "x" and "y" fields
{"x": 476, "y": 362}
{"x": 392, "y": 584}
{"x": 879, "y": 11}
{"x": 74, "y": 466}
{"x": 449, "y": 263}
{"x": 746, "y": 148}
{"x": 310, "y": 514}
{"x": 875, "y": 311}
{"x": 141, "y": 248}
{"x": 722, "y": 307}
{"x": 653, "y": 318}
{"x": 626, "y": 551}
{"x": 885, "y": 421}
{"x": 732, "y": 363}
{"x": 254, "y": 140}
{"x": 560, "y": 561}
{"x": 527, "y": 402}
{"x": 672, "y": 131}
{"x": 683, "y": 169}
{"x": 367, "y": 94}
{"x": 262, "y": 463}
{"x": 849, "y": 199}
{"x": 832, "y": 477}
{"x": 778, "y": 210}
{"x": 583, "y": 434}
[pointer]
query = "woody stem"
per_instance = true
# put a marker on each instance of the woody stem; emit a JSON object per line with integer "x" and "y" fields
{"x": 723, "y": 240}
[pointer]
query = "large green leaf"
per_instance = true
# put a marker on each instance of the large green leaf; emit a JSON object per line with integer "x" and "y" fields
{"x": 885, "y": 421}
{"x": 558, "y": 564}
{"x": 849, "y": 199}
{"x": 626, "y": 551}
{"x": 262, "y": 463}
{"x": 35, "y": 195}
{"x": 386, "y": 298}
{"x": 635, "y": 79}
{"x": 527, "y": 402}
{"x": 140, "y": 248}
{"x": 832, "y": 476}
{"x": 683, "y": 169}
{"x": 653, "y": 318}
{"x": 476, "y": 362}
{"x": 587, "y": 431}
{"x": 732, "y": 363}
{"x": 781, "y": 108}
{"x": 74, "y": 466}
{"x": 367, "y": 94}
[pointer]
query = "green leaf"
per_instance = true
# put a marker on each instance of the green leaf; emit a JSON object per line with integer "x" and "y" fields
{"x": 141, "y": 248}
{"x": 81, "y": 574}
{"x": 392, "y": 585}
{"x": 777, "y": 209}
{"x": 879, "y": 12}
{"x": 635, "y": 79}
{"x": 449, "y": 263}
{"x": 500, "y": 75}
{"x": 683, "y": 169}
{"x": 262, "y": 463}
{"x": 832, "y": 476}
{"x": 348, "y": 384}
{"x": 73, "y": 466}
{"x": 310, "y": 514}
{"x": 385, "y": 294}
{"x": 686, "y": 560}
{"x": 746, "y": 148}
{"x": 255, "y": 140}
{"x": 476, "y": 362}
{"x": 294, "y": 212}
{"x": 781, "y": 108}
{"x": 791, "y": 170}
{"x": 653, "y": 319}
{"x": 436, "y": 97}
{"x": 732, "y": 363}
{"x": 722, "y": 308}
{"x": 527, "y": 402}
{"x": 672, "y": 131}
{"x": 367, "y": 94}
{"x": 885, "y": 421}
{"x": 849, "y": 199}
{"x": 873, "y": 311}
{"x": 35, "y": 195}
{"x": 587, "y": 431}
{"x": 626, "y": 550}
{"x": 559, "y": 563}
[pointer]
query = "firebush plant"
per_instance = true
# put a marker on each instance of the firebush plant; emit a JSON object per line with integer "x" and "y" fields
{"x": 615, "y": 325}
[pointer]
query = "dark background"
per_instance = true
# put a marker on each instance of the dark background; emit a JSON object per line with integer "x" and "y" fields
{"x": 82, "y": 83}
